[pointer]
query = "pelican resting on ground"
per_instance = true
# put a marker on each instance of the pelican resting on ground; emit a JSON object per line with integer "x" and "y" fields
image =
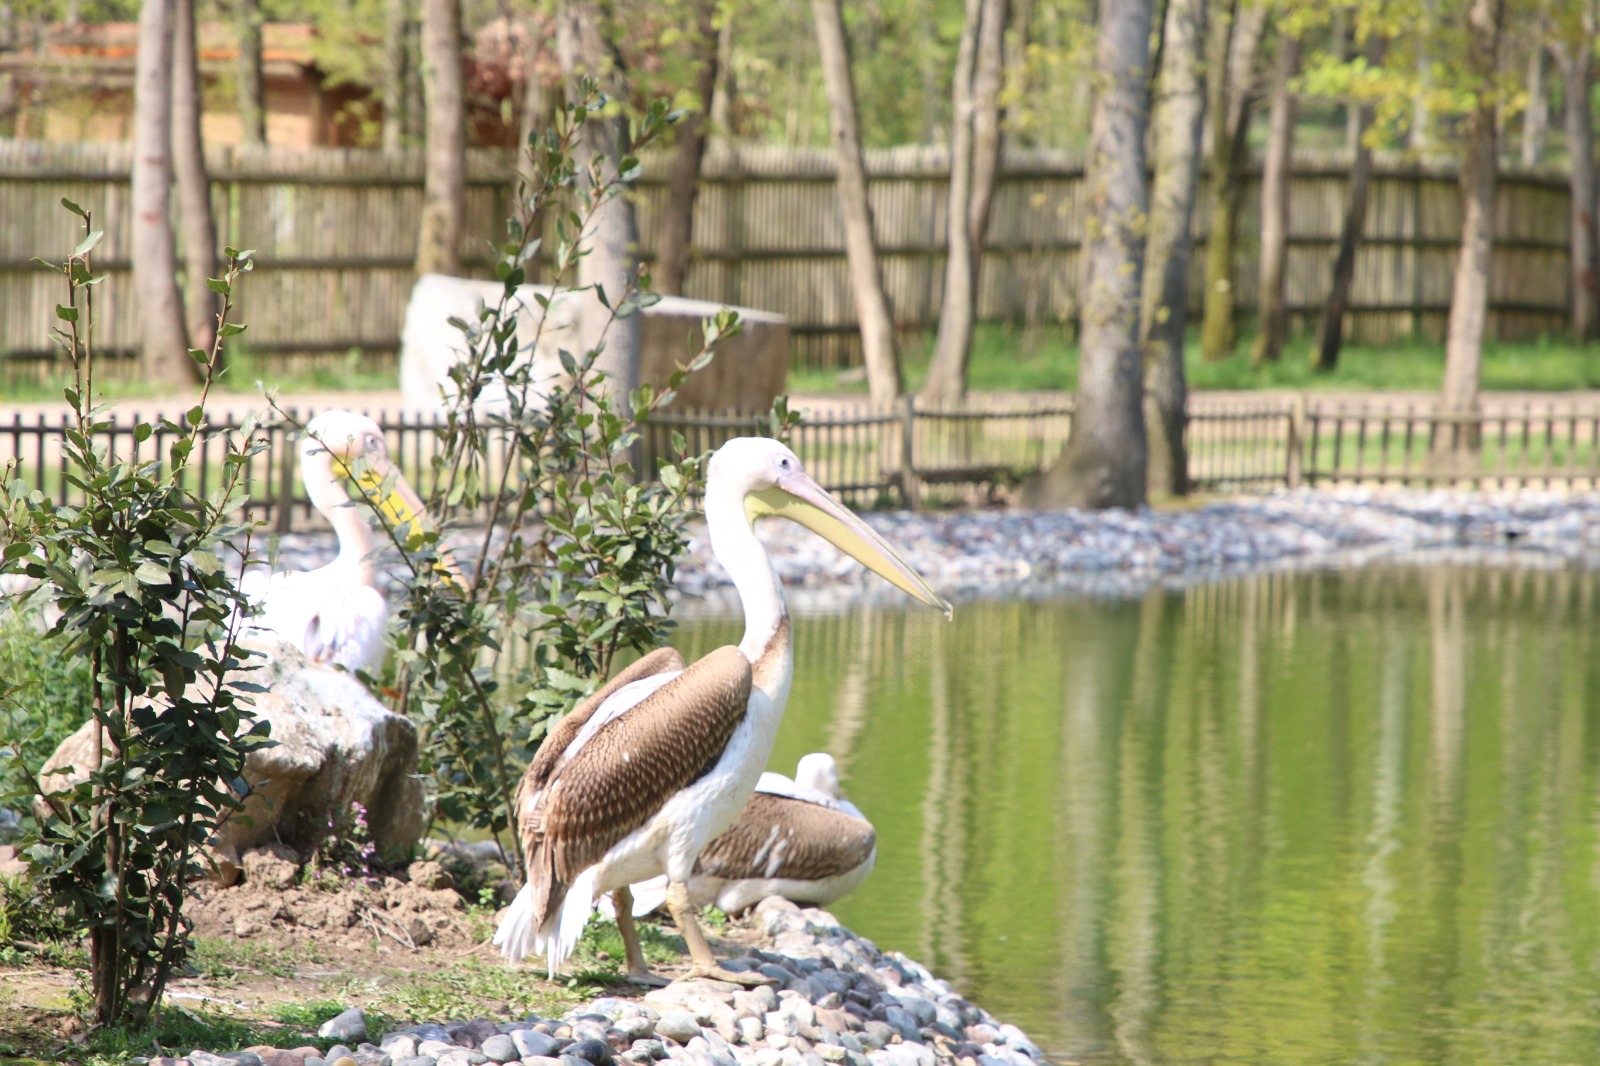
{"x": 649, "y": 770}
{"x": 798, "y": 839}
{"x": 336, "y": 613}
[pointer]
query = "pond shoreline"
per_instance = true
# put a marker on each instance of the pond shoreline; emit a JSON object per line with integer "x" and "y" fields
{"x": 1004, "y": 553}
{"x": 969, "y": 555}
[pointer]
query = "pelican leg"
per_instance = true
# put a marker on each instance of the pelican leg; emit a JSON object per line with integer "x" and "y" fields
{"x": 703, "y": 962}
{"x": 638, "y": 969}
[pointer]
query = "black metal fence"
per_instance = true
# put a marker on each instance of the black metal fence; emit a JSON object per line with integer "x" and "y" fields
{"x": 915, "y": 456}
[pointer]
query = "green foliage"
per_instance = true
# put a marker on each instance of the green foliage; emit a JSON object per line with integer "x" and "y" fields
{"x": 578, "y": 552}
{"x": 346, "y": 850}
{"x": 601, "y": 943}
{"x": 137, "y": 577}
{"x": 58, "y": 688}
{"x": 30, "y": 926}
{"x": 1427, "y": 70}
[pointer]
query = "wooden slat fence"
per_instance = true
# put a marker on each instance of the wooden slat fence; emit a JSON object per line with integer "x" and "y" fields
{"x": 918, "y": 456}
{"x": 335, "y": 235}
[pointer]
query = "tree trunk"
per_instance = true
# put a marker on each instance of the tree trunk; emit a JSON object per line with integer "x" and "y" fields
{"x": 727, "y": 85}
{"x": 155, "y": 263}
{"x": 1330, "y": 335}
{"x": 414, "y": 121}
{"x": 1419, "y": 138}
{"x": 444, "y": 192}
{"x": 1469, "y": 293}
{"x": 683, "y": 182}
{"x": 947, "y": 375}
{"x": 1272, "y": 300}
{"x": 861, "y": 253}
{"x": 535, "y": 113}
{"x": 252, "y": 92}
{"x": 612, "y": 263}
{"x": 1232, "y": 59}
{"x": 396, "y": 16}
{"x": 1536, "y": 119}
{"x": 198, "y": 225}
{"x": 1577, "y": 61}
{"x": 1104, "y": 461}
{"x": 1164, "y": 316}
{"x": 977, "y": 123}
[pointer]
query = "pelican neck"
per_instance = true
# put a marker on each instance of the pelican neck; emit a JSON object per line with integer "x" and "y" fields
{"x": 328, "y": 496}
{"x": 744, "y": 557}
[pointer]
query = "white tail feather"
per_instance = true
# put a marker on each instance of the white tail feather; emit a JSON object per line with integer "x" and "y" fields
{"x": 563, "y": 928}
{"x": 515, "y": 934}
{"x": 517, "y": 938}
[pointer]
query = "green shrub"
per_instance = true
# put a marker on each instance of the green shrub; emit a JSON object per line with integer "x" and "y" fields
{"x": 136, "y": 577}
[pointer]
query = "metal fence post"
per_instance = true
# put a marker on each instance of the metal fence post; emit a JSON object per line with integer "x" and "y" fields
{"x": 909, "y": 489}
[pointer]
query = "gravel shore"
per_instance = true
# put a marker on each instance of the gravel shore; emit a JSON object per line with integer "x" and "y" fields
{"x": 832, "y": 998}
{"x": 976, "y": 554}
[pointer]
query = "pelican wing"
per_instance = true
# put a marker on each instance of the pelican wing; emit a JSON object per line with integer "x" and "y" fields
{"x": 627, "y": 769}
{"x": 776, "y": 836}
{"x": 348, "y": 629}
{"x": 555, "y": 743}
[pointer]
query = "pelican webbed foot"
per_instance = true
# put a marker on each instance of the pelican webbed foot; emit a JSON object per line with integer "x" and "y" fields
{"x": 748, "y": 979}
{"x": 703, "y": 963}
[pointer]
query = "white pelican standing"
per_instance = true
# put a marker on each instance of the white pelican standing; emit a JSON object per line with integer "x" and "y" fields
{"x": 799, "y": 839}
{"x": 657, "y": 764}
{"x": 336, "y": 613}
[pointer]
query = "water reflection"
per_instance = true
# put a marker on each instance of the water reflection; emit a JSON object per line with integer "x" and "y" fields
{"x": 1297, "y": 818}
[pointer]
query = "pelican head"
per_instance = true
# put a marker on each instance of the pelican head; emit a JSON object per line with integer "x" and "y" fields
{"x": 344, "y": 444}
{"x": 818, "y": 771}
{"x": 771, "y": 480}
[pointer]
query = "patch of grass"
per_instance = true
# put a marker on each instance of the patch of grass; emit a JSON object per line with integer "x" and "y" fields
{"x": 602, "y": 943}
{"x": 221, "y": 961}
{"x": 1004, "y": 358}
{"x": 353, "y": 370}
{"x": 1012, "y": 359}
{"x": 58, "y": 1036}
{"x": 473, "y": 987}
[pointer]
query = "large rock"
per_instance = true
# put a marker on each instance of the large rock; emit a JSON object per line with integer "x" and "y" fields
{"x": 335, "y": 746}
{"x": 748, "y": 372}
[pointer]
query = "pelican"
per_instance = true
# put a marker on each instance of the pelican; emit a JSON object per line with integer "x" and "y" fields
{"x": 799, "y": 839}
{"x": 336, "y": 613}
{"x": 657, "y": 764}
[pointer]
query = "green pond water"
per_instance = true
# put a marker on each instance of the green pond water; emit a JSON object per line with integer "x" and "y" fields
{"x": 1327, "y": 817}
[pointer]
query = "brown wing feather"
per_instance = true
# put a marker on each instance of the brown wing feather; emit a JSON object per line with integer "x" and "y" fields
{"x": 822, "y": 841}
{"x": 555, "y": 742}
{"x": 597, "y": 797}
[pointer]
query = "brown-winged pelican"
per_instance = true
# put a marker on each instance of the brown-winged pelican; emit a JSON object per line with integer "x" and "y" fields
{"x": 642, "y": 776}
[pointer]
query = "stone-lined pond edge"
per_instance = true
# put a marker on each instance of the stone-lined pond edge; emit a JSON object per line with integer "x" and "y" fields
{"x": 833, "y": 999}
{"x": 1009, "y": 554}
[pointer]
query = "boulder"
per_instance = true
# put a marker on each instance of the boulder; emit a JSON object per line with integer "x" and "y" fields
{"x": 749, "y": 370}
{"x": 335, "y": 745}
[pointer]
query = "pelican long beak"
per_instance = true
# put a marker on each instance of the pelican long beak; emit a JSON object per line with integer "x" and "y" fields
{"x": 800, "y": 499}
{"x": 399, "y": 504}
